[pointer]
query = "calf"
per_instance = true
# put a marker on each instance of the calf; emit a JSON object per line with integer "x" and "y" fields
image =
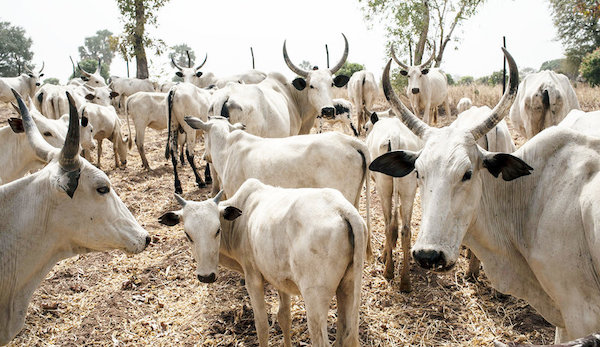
{"x": 362, "y": 92}
{"x": 107, "y": 125}
{"x": 309, "y": 242}
{"x": 343, "y": 114}
{"x": 126, "y": 87}
{"x": 463, "y": 105}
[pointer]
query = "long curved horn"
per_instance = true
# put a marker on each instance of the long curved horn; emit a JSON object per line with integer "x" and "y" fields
{"x": 175, "y": 64}
{"x": 343, "y": 59}
{"x": 218, "y": 197}
{"x": 430, "y": 58}
{"x": 42, "y": 148}
{"x": 180, "y": 200}
{"x": 201, "y": 65}
{"x": 417, "y": 126}
{"x": 500, "y": 111}
{"x": 69, "y": 154}
{"x": 72, "y": 64}
{"x": 291, "y": 65}
{"x": 402, "y": 65}
{"x": 189, "y": 59}
{"x": 42, "y": 69}
{"x": 85, "y": 73}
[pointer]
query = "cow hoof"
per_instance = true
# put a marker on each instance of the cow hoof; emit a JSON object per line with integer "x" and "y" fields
{"x": 208, "y": 180}
{"x": 405, "y": 286}
{"x": 388, "y": 275}
{"x": 178, "y": 190}
{"x": 201, "y": 184}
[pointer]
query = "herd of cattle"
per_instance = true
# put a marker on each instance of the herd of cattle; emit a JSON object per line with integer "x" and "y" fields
{"x": 285, "y": 201}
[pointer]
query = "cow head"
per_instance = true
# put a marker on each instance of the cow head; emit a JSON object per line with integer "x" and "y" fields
{"x": 34, "y": 77}
{"x": 99, "y": 95}
{"x": 93, "y": 79}
{"x": 417, "y": 74}
{"x": 189, "y": 74}
{"x": 202, "y": 223}
{"x": 450, "y": 168}
{"x": 217, "y": 128}
{"x": 318, "y": 84}
{"x": 87, "y": 213}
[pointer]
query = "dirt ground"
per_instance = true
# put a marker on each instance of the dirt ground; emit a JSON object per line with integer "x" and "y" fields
{"x": 153, "y": 298}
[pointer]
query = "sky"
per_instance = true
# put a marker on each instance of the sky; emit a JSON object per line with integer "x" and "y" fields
{"x": 226, "y": 29}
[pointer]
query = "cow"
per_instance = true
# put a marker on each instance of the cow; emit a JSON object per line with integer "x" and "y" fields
{"x": 310, "y": 242}
{"x": 585, "y": 122}
{"x": 92, "y": 79}
{"x": 543, "y": 100}
{"x": 26, "y": 84}
{"x": 535, "y": 231}
{"x": 427, "y": 88}
{"x": 343, "y": 114}
{"x": 182, "y": 100}
{"x": 129, "y": 86}
{"x": 107, "y": 125}
{"x": 463, "y": 105}
{"x": 362, "y": 92}
{"x": 286, "y": 162}
{"x": 165, "y": 87}
{"x": 384, "y": 135}
{"x": 202, "y": 80}
{"x": 51, "y": 100}
{"x": 67, "y": 208}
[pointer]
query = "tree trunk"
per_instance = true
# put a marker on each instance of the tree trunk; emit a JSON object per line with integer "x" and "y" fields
{"x": 420, "y": 48}
{"x": 138, "y": 40}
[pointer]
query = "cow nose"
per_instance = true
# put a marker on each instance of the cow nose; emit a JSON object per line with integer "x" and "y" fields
{"x": 123, "y": 162}
{"x": 148, "y": 239}
{"x": 37, "y": 84}
{"x": 207, "y": 279}
{"x": 415, "y": 90}
{"x": 327, "y": 111}
{"x": 430, "y": 259}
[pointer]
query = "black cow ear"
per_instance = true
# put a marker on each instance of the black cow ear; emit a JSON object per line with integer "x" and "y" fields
{"x": 69, "y": 181}
{"x": 404, "y": 72}
{"x": 113, "y": 95}
{"x": 40, "y": 97}
{"x": 341, "y": 80}
{"x": 299, "y": 83}
{"x": 395, "y": 164}
{"x": 41, "y": 75}
{"x": 374, "y": 117}
{"x": 179, "y": 74}
{"x": 510, "y": 166}
{"x": 90, "y": 97}
{"x": 425, "y": 71}
{"x": 231, "y": 213}
{"x": 199, "y": 73}
{"x": 85, "y": 78}
{"x": 84, "y": 121}
{"x": 16, "y": 124}
{"x": 169, "y": 218}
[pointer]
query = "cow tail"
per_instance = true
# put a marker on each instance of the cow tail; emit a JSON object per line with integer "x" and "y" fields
{"x": 170, "y": 97}
{"x": 395, "y": 182}
{"x": 360, "y": 243}
{"x": 130, "y": 139}
{"x": 364, "y": 152}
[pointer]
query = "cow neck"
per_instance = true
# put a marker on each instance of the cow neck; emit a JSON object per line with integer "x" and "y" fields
{"x": 27, "y": 251}
{"x": 305, "y": 110}
{"x": 220, "y": 142}
{"x": 16, "y": 143}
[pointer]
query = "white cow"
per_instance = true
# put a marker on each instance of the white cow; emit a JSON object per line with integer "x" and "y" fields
{"x": 129, "y": 86}
{"x": 203, "y": 80}
{"x": 427, "y": 89}
{"x": 67, "y": 208}
{"x": 329, "y": 160}
{"x": 384, "y": 135}
{"x": 52, "y": 102}
{"x": 362, "y": 92}
{"x": 309, "y": 242}
{"x": 537, "y": 236}
{"x": 463, "y": 105}
{"x": 26, "y": 84}
{"x": 343, "y": 114}
{"x": 185, "y": 99}
{"x": 543, "y": 100}
{"x": 107, "y": 125}
{"x": 584, "y": 122}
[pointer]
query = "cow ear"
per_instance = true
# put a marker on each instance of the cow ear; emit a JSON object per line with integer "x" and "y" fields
{"x": 68, "y": 181}
{"x": 179, "y": 74}
{"x": 510, "y": 166}
{"x": 374, "y": 117}
{"x": 30, "y": 75}
{"x": 170, "y": 218}
{"x": 404, "y": 72}
{"x": 299, "y": 83}
{"x": 41, "y": 75}
{"x": 198, "y": 73}
{"x": 395, "y": 164}
{"x": 425, "y": 71}
{"x": 230, "y": 213}
{"x": 84, "y": 121}
{"x": 113, "y": 95}
{"x": 40, "y": 97}
{"x": 341, "y": 80}
{"x": 85, "y": 78}
{"x": 90, "y": 97}
{"x": 16, "y": 124}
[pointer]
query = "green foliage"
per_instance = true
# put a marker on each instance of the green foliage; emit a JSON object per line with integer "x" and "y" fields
{"x": 179, "y": 54}
{"x": 90, "y": 66}
{"x": 399, "y": 81}
{"x": 349, "y": 69}
{"x": 552, "y": 65}
{"x": 51, "y": 80}
{"x": 465, "y": 80}
{"x": 566, "y": 66}
{"x": 97, "y": 46}
{"x": 590, "y": 67}
{"x": 450, "y": 79}
{"x": 15, "y": 49}
{"x": 492, "y": 80}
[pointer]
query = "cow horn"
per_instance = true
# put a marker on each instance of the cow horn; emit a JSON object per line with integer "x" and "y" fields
{"x": 417, "y": 126}
{"x": 42, "y": 148}
{"x": 291, "y": 65}
{"x": 430, "y": 58}
{"x": 180, "y": 200}
{"x": 218, "y": 197}
{"x": 69, "y": 154}
{"x": 175, "y": 64}
{"x": 189, "y": 59}
{"x": 500, "y": 111}
{"x": 42, "y": 69}
{"x": 402, "y": 65}
{"x": 201, "y": 65}
{"x": 83, "y": 72}
{"x": 343, "y": 59}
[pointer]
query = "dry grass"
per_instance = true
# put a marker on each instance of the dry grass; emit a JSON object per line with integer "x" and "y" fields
{"x": 154, "y": 299}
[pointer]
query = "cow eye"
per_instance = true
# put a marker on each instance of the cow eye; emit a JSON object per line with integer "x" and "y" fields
{"x": 218, "y": 232}
{"x": 467, "y": 175}
{"x": 47, "y": 133}
{"x": 103, "y": 190}
{"x": 311, "y": 87}
{"x": 188, "y": 237}
{"x": 332, "y": 84}
{"x": 417, "y": 173}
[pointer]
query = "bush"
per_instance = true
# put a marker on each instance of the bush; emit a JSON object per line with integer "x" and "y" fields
{"x": 450, "y": 79}
{"x": 349, "y": 69}
{"x": 590, "y": 67}
{"x": 465, "y": 80}
{"x": 51, "y": 80}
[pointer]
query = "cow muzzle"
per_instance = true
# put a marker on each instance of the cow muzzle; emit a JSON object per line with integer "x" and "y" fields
{"x": 207, "y": 279}
{"x": 431, "y": 259}
{"x": 328, "y": 112}
{"x": 415, "y": 90}
{"x": 37, "y": 84}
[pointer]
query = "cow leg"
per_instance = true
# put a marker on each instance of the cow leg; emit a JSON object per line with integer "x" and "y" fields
{"x": 256, "y": 291}
{"x": 173, "y": 153}
{"x": 216, "y": 187}
{"x": 447, "y": 107}
{"x": 284, "y": 317}
{"x": 207, "y": 176}
{"x": 407, "y": 189}
{"x": 190, "y": 158}
{"x": 320, "y": 131}
{"x": 317, "y": 300}
{"x": 385, "y": 191}
{"x": 181, "y": 157}
{"x": 139, "y": 143}
{"x": 115, "y": 153}
{"x": 99, "y": 152}
{"x": 473, "y": 271}
{"x": 348, "y": 303}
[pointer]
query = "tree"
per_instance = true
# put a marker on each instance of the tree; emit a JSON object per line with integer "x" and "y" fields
{"x": 494, "y": 79}
{"x": 15, "y": 49}
{"x": 51, "y": 80}
{"x": 578, "y": 28}
{"x": 97, "y": 46}
{"x": 590, "y": 67}
{"x": 465, "y": 80}
{"x": 306, "y": 65}
{"x": 349, "y": 69}
{"x": 409, "y": 21}
{"x": 564, "y": 66}
{"x": 135, "y": 15}
{"x": 90, "y": 65}
{"x": 180, "y": 55}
